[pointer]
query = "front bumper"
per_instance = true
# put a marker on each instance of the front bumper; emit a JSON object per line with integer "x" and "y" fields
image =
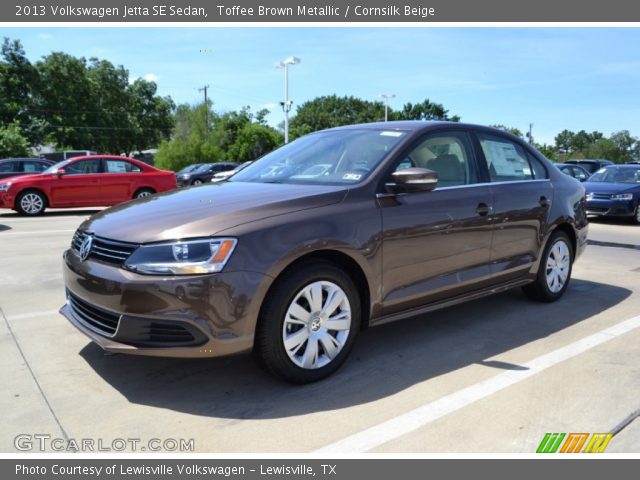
{"x": 611, "y": 208}
{"x": 6, "y": 200}
{"x": 185, "y": 316}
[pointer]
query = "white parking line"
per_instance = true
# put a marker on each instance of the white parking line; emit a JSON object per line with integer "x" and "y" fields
{"x": 413, "y": 420}
{"x": 39, "y": 232}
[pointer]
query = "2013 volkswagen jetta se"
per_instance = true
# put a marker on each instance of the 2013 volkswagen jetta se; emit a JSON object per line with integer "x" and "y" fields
{"x": 400, "y": 219}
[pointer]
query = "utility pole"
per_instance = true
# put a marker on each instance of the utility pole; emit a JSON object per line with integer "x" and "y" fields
{"x": 286, "y": 105}
{"x": 206, "y": 106}
{"x": 530, "y": 137}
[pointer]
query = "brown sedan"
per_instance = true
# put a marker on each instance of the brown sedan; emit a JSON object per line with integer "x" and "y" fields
{"x": 337, "y": 231}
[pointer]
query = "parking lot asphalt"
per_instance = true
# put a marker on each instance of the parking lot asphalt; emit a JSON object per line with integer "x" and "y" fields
{"x": 492, "y": 375}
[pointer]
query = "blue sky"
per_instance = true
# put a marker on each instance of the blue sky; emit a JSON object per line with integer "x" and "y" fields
{"x": 556, "y": 78}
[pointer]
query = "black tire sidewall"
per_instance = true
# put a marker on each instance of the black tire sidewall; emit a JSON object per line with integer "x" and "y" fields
{"x": 269, "y": 333}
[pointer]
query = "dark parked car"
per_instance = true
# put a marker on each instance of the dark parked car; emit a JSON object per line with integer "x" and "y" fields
{"x": 592, "y": 166}
{"x": 224, "y": 175}
{"x": 409, "y": 217}
{"x": 614, "y": 191}
{"x": 203, "y": 173}
{"x": 12, "y": 167}
{"x": 574, "y": 171}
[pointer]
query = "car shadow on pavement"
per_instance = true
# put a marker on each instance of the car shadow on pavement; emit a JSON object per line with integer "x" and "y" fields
{"x": 386, "y": 359}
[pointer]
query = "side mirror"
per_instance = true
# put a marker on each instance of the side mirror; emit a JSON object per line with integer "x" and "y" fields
{"x": 60, "y": 172}
{"x": 411, "y": 180}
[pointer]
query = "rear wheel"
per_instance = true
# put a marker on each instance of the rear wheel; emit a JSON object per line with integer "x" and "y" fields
{"x": 636, "y": 217}
{"x": 309, "y": 323}
{"x": 31, "y": 203}
{"x": 554, "y": 272}
{"x": 197, "y": 181}
{"x": 143, "y": 192}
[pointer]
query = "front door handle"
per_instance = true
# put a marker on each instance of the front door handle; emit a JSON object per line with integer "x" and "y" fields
{"x": 483, "y": 209}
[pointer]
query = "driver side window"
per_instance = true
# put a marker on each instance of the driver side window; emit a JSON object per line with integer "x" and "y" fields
{"x": 448, "y": 154}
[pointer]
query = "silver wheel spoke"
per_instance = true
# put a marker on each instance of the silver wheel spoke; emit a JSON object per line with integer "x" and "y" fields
{"x": 558, "y": 266}
{"x": 330, "y": 346}
{"x": 335, "y": 297}
{"x": 315, "y": 332}
{"x": 342, "y": 321}
{"x": 310, "y": 357}
{"x": 294, "y": 341}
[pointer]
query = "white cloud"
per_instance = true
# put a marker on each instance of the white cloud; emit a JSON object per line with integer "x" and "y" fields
{"x": 151, "y": 77}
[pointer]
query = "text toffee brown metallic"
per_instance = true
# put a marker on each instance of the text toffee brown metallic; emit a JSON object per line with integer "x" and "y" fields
{"x": 334, "y": 232}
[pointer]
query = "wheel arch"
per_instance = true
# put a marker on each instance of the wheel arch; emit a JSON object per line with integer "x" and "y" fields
{"x": 341, "y": 260}
{"x": 31, "y": 189}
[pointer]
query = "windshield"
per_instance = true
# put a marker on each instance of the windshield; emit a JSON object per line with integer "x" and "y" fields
{"x": 190, "y": 168}
{"x": 329, "y": 158}
{"x": 202, "y": 168}
{"x": 616, "y": 175}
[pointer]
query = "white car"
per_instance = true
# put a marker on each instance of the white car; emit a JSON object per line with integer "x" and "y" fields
{"x": 222, "y": 176}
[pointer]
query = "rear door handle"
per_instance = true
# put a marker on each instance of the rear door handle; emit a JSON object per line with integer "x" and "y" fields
{"x": 483, "y": 209}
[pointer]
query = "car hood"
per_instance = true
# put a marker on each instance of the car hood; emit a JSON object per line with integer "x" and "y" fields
{"x": 207, "y": 210}
{"x": 23, "y": 178}
{"x": 608, "y": 187}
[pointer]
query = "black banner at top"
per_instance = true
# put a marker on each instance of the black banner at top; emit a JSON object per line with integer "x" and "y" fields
{"x": 350, "y": 11}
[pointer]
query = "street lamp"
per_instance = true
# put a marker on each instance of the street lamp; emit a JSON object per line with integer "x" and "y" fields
{"x": 386, "y": 103}
{"x": 286, "y": 105}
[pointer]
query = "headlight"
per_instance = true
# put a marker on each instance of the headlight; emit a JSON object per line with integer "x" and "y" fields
{"x": 622, "y": 196}
{"x": 4, "y": 186}
{"x": 589, "y": 197}
{"x": 189, "y": 257}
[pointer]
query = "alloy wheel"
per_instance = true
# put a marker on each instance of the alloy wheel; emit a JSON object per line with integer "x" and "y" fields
{"x": 32, "y": 203}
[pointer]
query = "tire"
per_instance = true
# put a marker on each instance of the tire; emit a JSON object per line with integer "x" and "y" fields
{"x": 197, "y": 181}
{"x": 554, "y": 272}
{"x": 636, "y": 216}
{"x": 143, "y": 192}
{"x": 31, "y": 203}
{"x": 294, "y": 306}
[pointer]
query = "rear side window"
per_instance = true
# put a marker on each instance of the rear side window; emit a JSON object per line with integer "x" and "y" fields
{"x": 9, "y": 167}
{"x": 121, "y": 166}
{"x": 34, "y": 167}
{"x": 83, "y": 167}
{"x": 508, "y": 161}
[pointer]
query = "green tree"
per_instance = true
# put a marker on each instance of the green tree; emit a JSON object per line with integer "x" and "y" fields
{"x": 425, "y": 110}
{"x": 604, "y": 148}
{"x": 625, "y": 144}
{"x": 12, "y": 142}
{"x": 19, "y": 81}
{"x": 512, "y": 130}
{"x": 548, "y": 151}
{"x": 333, "y": 111}
{"x": 253, "y": 141}
{"x": 564, "y": 141}
{"x": 581, "y": 141}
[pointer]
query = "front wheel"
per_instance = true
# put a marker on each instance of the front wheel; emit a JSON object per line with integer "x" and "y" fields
{"x": 309, "y": 323}
{"x": 143, "y": 192}
{"x": 31, "y": 203}
{"x": 197, "y": 181}
{"x": 636, "y": 217}
{"x": 554, "y": 271}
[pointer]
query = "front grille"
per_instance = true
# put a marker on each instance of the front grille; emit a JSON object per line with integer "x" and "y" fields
{"x": 96, "y": 319}
{"x": 601, "y": 196}
{"x": 597, "y": 210}
{"x": 104, "y": 249}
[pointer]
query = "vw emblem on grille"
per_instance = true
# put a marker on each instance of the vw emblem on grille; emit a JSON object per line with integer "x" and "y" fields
{"x": 85, "y": 247}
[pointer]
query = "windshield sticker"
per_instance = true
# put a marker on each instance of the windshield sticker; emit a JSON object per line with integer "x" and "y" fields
{"x": 387, "y": 133}
{"x": 351, "y": 176}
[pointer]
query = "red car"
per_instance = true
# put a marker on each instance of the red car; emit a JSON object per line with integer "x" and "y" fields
{"x": 92, "y": 181}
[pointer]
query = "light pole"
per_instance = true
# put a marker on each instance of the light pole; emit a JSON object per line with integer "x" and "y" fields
{"x": 286, "y": 105}
{"x": 386, "y": 98}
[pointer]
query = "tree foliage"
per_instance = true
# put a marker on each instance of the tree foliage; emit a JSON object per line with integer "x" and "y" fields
{"x": 80, "y": 104}
{"x": 12, "y": 142}
{"x": 232, "y": 136}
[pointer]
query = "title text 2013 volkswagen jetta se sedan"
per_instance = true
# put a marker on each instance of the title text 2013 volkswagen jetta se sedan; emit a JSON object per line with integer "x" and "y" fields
{"x": 396, "y": 219}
